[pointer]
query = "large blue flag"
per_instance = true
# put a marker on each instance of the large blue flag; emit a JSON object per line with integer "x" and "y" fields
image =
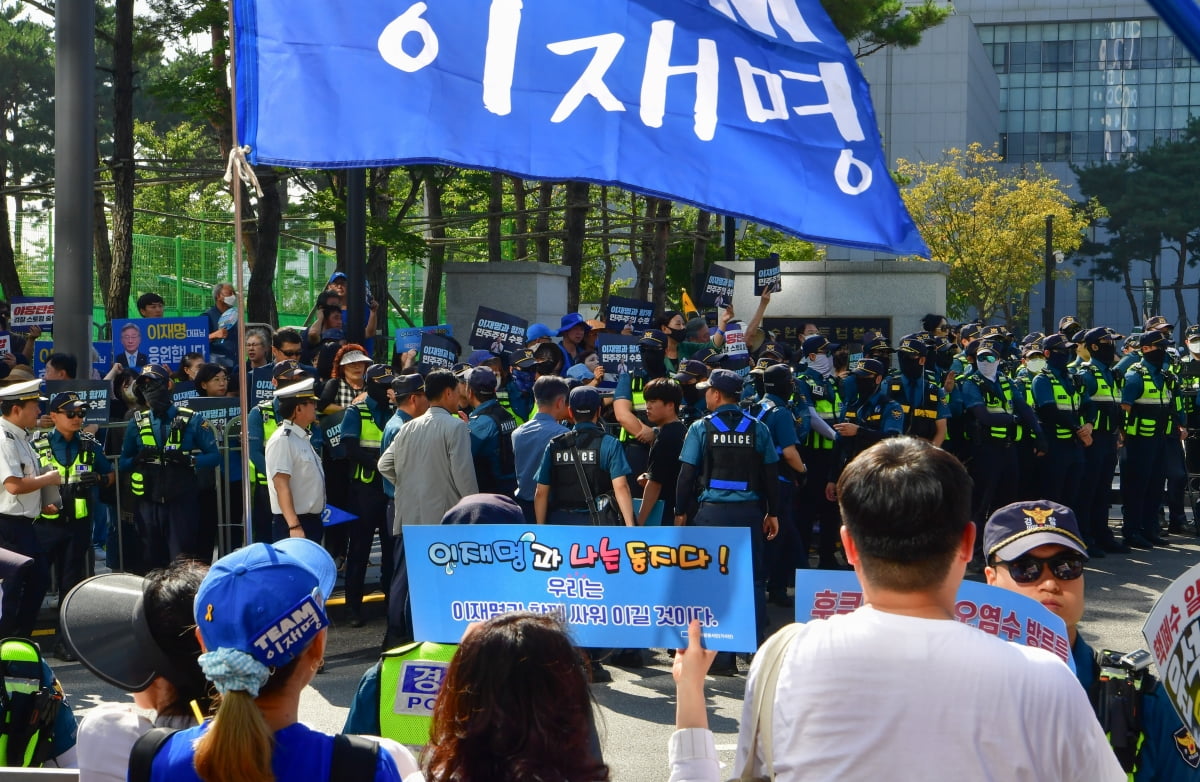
{"x": 752, "y": 108}
{"x": 1182, "y": 16}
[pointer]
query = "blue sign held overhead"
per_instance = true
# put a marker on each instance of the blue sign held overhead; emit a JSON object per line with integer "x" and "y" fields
{"x": 749, "y": 108}
{"x": 613, "y": 586}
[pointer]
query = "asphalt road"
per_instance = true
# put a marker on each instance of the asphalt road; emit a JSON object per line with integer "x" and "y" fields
{"x": 637, "y": 709}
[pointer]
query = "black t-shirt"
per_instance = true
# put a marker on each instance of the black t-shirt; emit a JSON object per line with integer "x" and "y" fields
{"x": 663, "y": 466}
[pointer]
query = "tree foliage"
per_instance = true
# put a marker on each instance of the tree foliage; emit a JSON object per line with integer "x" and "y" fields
{"x": 988, "y": 225}
{"x": 874, "y": 24}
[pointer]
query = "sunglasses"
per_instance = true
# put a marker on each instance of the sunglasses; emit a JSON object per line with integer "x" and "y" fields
{"x": 291, "y": 353}
{"x": 73, "y": 415}
{"x": 987, "y": 359}
{"x": 1027, "y": 569}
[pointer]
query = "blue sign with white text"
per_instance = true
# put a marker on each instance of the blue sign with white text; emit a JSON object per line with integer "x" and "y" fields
{"x": 140, "y": 341}
{"x": 749, "y": 108}
{"x": 620, "y": 587}
{"x": 821, "y": 594}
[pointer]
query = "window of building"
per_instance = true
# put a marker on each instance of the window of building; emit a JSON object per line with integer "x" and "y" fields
{"x": 1085, "y": 301}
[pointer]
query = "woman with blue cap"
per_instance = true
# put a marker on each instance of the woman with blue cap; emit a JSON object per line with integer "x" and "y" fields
{"x": 260, "y": 615}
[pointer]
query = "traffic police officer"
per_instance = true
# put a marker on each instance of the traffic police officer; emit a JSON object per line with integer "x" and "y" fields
{"x": 819, "y": 392}
{"x": 1151, "y": 420}
{"x": 922, "y": 400}
{"x": 262, "y": 421}
{"x": 560, "y": 498}
{"x": 24, "y": 479}
{"x": 65, "y": 530}
{"x": 1100, "y": 459}
{"x": 1064, "y": 409}
{"x": 362, "y": 434}
{"x": 491, "y": 434}
{"x": 296, "y": 479}
{"x": 163, "y": 447}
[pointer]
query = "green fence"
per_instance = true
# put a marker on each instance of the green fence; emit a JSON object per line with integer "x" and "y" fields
{"x": 183, "y": 271}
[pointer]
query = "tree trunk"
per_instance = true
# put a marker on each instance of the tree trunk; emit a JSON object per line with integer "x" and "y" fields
{"x": 378, "y": 204}
{"x": 114, "y": 307}
{"x": 1128, "y": 286}
{"x": 541, "y": 224}
{"x": 260, "y": 305}
{"x": 645, "y": 236}
{"x": 639, "y": 260}
{"x": 115, "y": 279}
{"x": 1180, "y": 270}
{"x": 575, "y": 229}
{"x": 10, "y": 281}
{"x": 521, "y": 227}
{"x": 700, "y": 249}
{"x": 436, "y": 234}
{"x": 495, "y": 210}
{"x": 605, "y": 251}
{"x": 662, "y": 234}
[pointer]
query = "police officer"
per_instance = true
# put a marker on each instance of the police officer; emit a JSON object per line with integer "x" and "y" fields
{"x": 1151, "y": 420}
{"x": 1002, "y": 420}
{"x": 296, "y": 480}
{"x": 730, "y": 465}
{"x": 872, "y": 417}
{"x": 21, "y": 502}
{"x": 491, "y": 434}
{"x": 362, "y": 434}
{"x": 1100, "y": 459}
{"x": 1064, "y": 410}
{"x": 819, "y": 392}
{"x": 262, "y": 421}
{"x": 163, "y": 447}
{"x": 560, "y": 497}
{"x": 785, "y": 553}
{"x": 65, "y": 529}
{"x": 922, "y": 400}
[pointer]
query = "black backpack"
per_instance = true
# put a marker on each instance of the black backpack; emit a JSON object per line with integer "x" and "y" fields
{"x": 29, "y": 705}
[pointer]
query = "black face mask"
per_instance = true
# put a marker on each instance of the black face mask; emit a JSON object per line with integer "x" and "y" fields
{"x": 866, "y": 387}
{"x": 760, "y": 387}
{"x": 676, "y": 334}
{"x": 654, "y": 363}
{"x": 782, "y": 390}
{"x": 1154, "y": 357}
{"x": 157, "y": 397}
{"x": 378, "y": 393}
{"x": 944, "y": 359}
{"x": 1058, "y": 359}
{"x": 910, "y": 366}
{"x": 691, "y": 394}
{"x": 1105, "y": 354}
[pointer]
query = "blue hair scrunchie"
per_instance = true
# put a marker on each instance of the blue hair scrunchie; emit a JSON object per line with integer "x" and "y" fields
{"x": 233, "y": 669}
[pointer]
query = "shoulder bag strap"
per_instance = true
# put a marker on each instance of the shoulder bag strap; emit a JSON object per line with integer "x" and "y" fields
{"x": 141, "y": 757}
{"x": 771, "y": 653}
{"x": 593, "y": 511}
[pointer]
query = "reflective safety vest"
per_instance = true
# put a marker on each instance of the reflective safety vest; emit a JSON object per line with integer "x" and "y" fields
{"x": 410, "y": 678}
{"x": 731, "y": 458}
{"x": 1065, "y": 401}
{"x": 639, "y": 409}
{"x": 502, "y": 398}
{"x": 28, "y": 706}
{"x": 1000, "y": 403}
{"x": 826, "y": 404}
{"x": 1151, "y": 413}
{"x": 139, "y": 481}
{"x": 566, "y": 493}
{"x": 370, "y": 436}
{"x": 1106, "y": 398}
{"x": 269, "y": 425}
{"x": 920, "y": 421}
{"x": 71, "y": 473}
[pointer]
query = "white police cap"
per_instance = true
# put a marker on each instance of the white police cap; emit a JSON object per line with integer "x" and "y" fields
{"x": 25, "y": 391}
{"x": 301, "y": 390}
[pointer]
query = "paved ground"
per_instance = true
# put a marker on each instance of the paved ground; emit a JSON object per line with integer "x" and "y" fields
{"x": 637, "y": 708}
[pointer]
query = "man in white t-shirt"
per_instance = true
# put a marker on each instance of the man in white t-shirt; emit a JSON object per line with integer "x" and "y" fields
{"x": 897, "y": 689}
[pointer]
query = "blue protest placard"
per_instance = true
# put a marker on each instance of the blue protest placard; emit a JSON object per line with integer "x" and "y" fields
{"x": 140, "y": 341}
{"x": 767, "y": 274}
{"x": 410, "y": 338}
{"x": 437, "y": 352}
{"x": 102, "y": 353}
{"x": 218, "y": 411}
{"x": 718, "y": 287}
{"x": 821, "y": 594}
{"x": 652, "y": 95}
{"x": 613, "y": 586}
{"x": 97, "y": 393}
{"x": 261, "y": 386}
{"x": 497, "y": 331}
{"x": 621, "y": 311}
{"x": 619, "y": 354}
{"x": 26, "y": 311}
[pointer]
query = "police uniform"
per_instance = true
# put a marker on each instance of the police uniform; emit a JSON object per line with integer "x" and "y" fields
{"x": 786, "y": 552}
{"x": 1063, "y": 407}
{"x": 1152, "y": 418}
{"x": 23, "y": 593}
{"x": 362, "y": 433}
{"x": 161, "y": 453}
{"x": 921, "y": 399}
{"x": 820, "y": 395}
{"x": 877, "y": 417}
{"x": 1100, "y": 458}
{"x": 602, "y": 460}
{"x": 65, "y": 533}
{"x": 730, "y": 457}
{"x": 290, "y": 451}
{"x": 491, "y": 437}
{"x": 261, "y": 422}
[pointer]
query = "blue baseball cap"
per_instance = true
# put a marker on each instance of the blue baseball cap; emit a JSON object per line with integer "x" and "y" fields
{"x": 266, "y": 600}
{"x": 538, "y": 331}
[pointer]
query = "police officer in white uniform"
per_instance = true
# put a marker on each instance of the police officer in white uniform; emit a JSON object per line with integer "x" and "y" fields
{"x": 295, "y": 479}
{"x": 21, "y": 502}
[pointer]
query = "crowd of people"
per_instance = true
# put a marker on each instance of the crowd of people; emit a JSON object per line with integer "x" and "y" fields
{"x": 772, "y": 440}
